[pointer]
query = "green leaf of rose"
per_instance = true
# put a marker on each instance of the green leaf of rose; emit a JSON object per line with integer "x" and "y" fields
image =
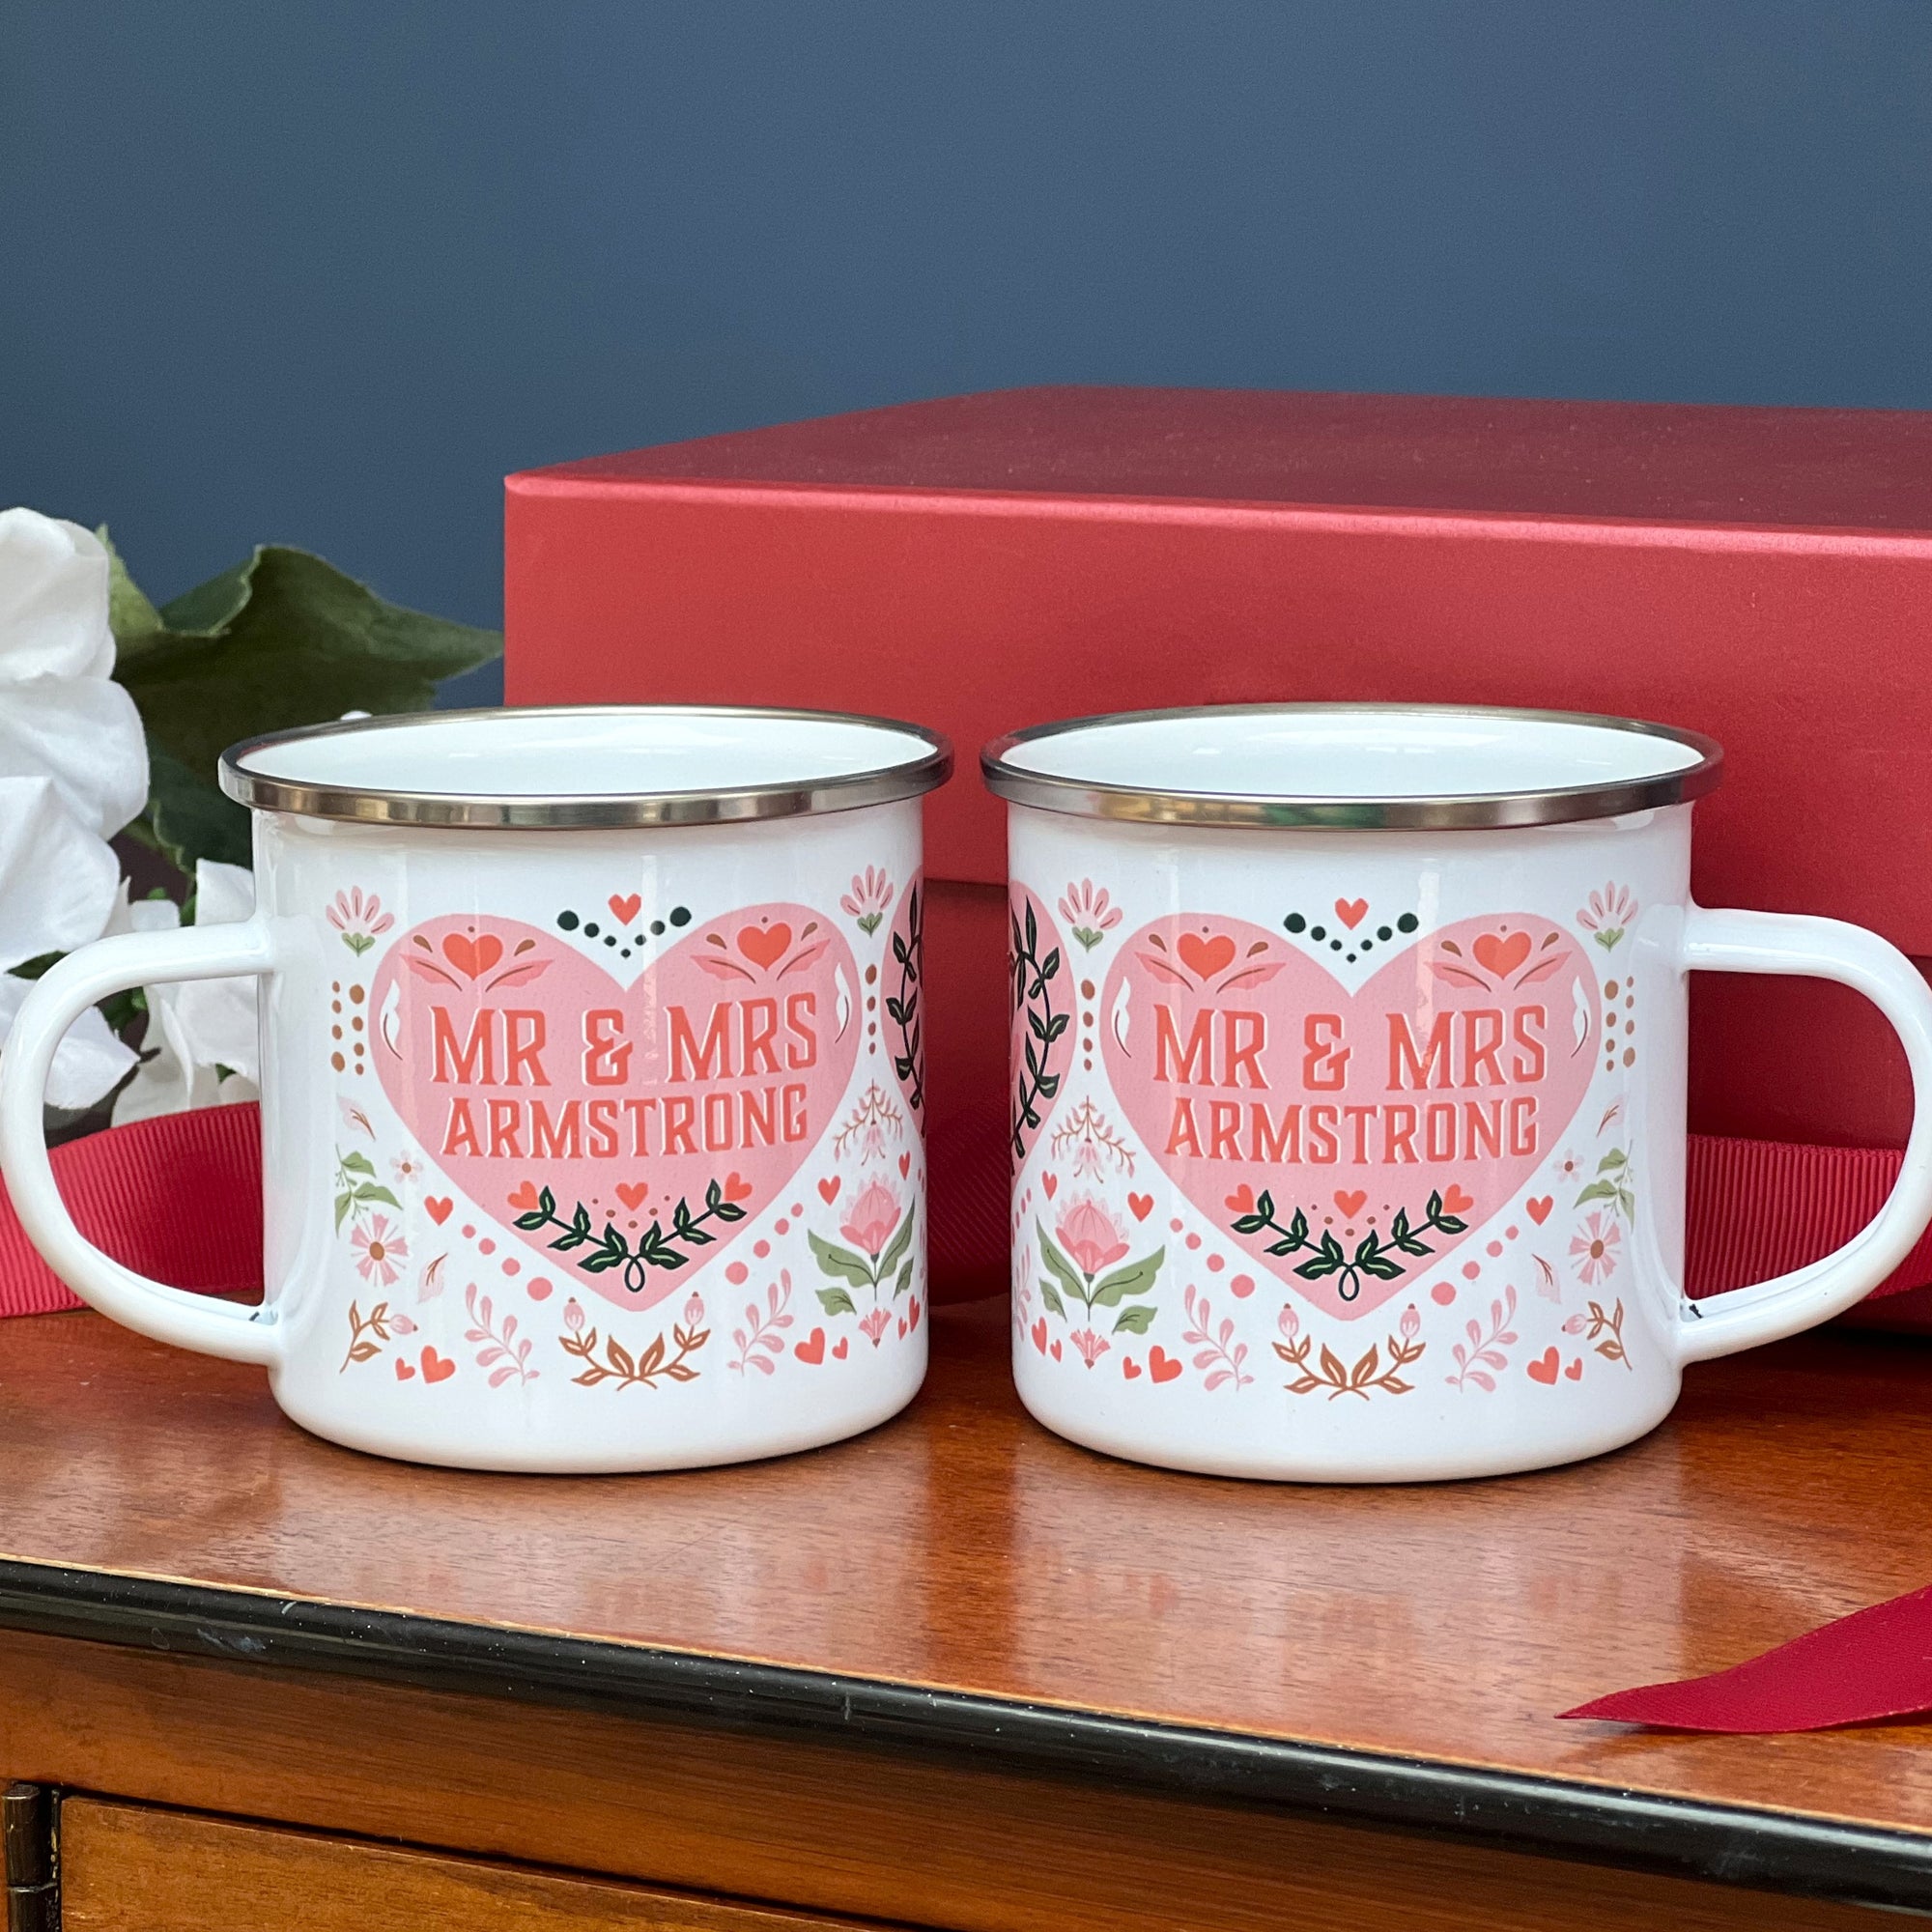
{"x": 841, "y": 1262}
{"x": 1136, "y": 1278}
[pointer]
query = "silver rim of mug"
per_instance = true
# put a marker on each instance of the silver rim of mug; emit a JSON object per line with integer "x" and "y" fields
{"x": 1455, "y": 812}
{"x": 722, "y": 804}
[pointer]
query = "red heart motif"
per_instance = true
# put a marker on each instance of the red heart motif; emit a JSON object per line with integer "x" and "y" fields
{"x": 472, "y": 957}
{"x": 905, "y": 1165}
{"x": 914, "y": 1311}
{"x": 1351, "y": 912}
{"x": 1162, "y": 1366}
{"x": 765, "y": 945}
{"x": 437, "y": 1368}
{"x": 633, "y": 1193}
{"x": 1139, "y": 1205}
{"x": 902, "y": 1329}
{"x": 405, "y": 1372}
{"x": 550, "y": 1077}
{"x": 1539, "y": 1208}
{"x": 1056, "y": 1350}
{"x": 1242, "y": 1201}
{"x": 841, "y": 1348}
{"x": 1575, "y": 1371}
{"x": 1129, "y": 1368}
{"x": 1455, "y": 1201}
{"x": 1204, "y": 957}
{"x": 1051, "y": 1182}
{"x": 1039, "y": 1333}
{"x": 1544, "y": 1369}
{"x": 812, "y": 1348}
{"x": 1501, "y": 957}
{"x": 625, "y": 910}
{"x": 437, "y": 1207}
{"x": 828, "y": 1190}
{"x": 1353, "y": 1202}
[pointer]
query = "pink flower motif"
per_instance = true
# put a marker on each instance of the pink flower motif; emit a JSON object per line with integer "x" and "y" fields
{"x": 1089, "y": 1345}
{"x": 359, "y": 919}
{"x": 379, "y": 1252}
{"x": 694, "y": 1311}
{"x": 870, "y": 895}
{"x": 1575, "y": 1325}
{"x": 874, "y": 1215}
{"x": 1595, "y": 1250}
{"x": 873, "y": 1325}
{"x": 1410, "y": 1324}
{"x": 1289, "y": 1323}
{"x": 401, "y": 1325}
{"x": 1609, "y": 915}
{"x": 1090, "y": 1235}
{"x": 573, "y": 1316}
{"x": 1086, "y": 908}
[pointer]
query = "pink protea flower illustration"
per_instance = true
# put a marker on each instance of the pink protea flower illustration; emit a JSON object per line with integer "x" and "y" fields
{"x": 870, "y": 896}
{"x": 1609, "y": 915}
{"x": 1089, "y": 1345}
{"x": 380, "y": 1251}
{"x": 1089, "y": 1235}
{"x": 873, "y": 1325}
{"x": 1595, "y": 1250}
{"x": 1087, "y": 909}
{"x": 874, "y": 1215}
{"x": 359, "y": 919}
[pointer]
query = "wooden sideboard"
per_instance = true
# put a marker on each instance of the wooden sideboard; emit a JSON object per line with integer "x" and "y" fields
{"x": 956, "y": 1674}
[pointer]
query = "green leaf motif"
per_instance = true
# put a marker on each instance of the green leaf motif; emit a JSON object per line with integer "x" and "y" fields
{"x": 835, "y": 1301}
{"x": 841, "y": 1262}
{"x": 1062, "y": 1270}
{"x": 1136, "y": 1278}
{"x": 895, "y": 1248}
{"x": 1050, "y": 1294}
{"x": 1135, "y": 1320}
{"x": 282, "y": 640}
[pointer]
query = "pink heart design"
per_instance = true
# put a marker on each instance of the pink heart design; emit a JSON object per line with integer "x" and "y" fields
{"x": 1544, "y": 1369}
{"x": 1272, "y": 1092}
{"x": 1351, "y": 912}
{"x": 1539, "y": 1209}
{"x": 812, "y": 1348}
{"x": 625, "y": 909}
{"x": 536, "y": 1075}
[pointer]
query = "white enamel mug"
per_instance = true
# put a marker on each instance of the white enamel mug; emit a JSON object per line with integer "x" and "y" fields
{"x": 592, "y": 1083}
{"x": 1348, "y": 1087}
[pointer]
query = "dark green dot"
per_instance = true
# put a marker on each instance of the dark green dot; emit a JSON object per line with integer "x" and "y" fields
{"x": 1383, "y": 934}
{"x": 656, "y": 929}
{"x": 625, "y": 954}
{"x": 1409, "y": 921}
{"x": 680, "y": 915}
{"x": 1296, "y": 923}
{"x": 1368, "y": 946}
{"x": 1351, "y": 957}
{"x": 590, "y": 928}
{"x": 1335, "y": 944}
{"x": 610, "y": 939}
{"x": 568, "y": 921}
{"x": 1318, "y": 932}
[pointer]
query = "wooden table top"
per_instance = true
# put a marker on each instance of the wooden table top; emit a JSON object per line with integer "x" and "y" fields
{"x": 960, "y": 1580}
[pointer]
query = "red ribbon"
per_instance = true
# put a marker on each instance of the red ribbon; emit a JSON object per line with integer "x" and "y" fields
{"x": 1876, "y": 1662}
{"x": 180, "y": 1198}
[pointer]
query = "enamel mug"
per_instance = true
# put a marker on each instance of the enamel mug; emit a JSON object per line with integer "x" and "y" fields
{"x": 1347, "y": 1086}
{"x": 592, "y": 1083}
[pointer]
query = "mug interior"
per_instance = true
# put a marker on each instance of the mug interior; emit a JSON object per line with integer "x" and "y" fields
{"x": 585, "y": 753}
{"x": 1342, "y": 753}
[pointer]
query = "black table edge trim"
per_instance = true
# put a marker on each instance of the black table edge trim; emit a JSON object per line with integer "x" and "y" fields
{"x": 1730, "y": 1844}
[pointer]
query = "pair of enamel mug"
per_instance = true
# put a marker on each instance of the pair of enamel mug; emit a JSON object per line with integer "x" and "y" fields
{"x": 1347, "y": 1089}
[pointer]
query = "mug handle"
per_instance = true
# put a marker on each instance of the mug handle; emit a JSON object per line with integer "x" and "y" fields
{"x": 1823, "y": 949}
{"x": 199, "y": 1322}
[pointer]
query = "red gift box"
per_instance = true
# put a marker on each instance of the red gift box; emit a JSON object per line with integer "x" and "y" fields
{"x": 993, "y": 560}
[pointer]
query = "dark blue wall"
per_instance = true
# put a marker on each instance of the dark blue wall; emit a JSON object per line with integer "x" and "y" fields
{"x": 323, "y": 273}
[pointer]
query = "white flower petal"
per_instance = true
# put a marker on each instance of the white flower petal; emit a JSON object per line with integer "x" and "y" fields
{"x": 57, "y": 879}
{"x": 87, "y": 1063}
{"x": 53, "y": 599}
{"x": 223, "y": 893}
{"x": 84, "y": 733}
